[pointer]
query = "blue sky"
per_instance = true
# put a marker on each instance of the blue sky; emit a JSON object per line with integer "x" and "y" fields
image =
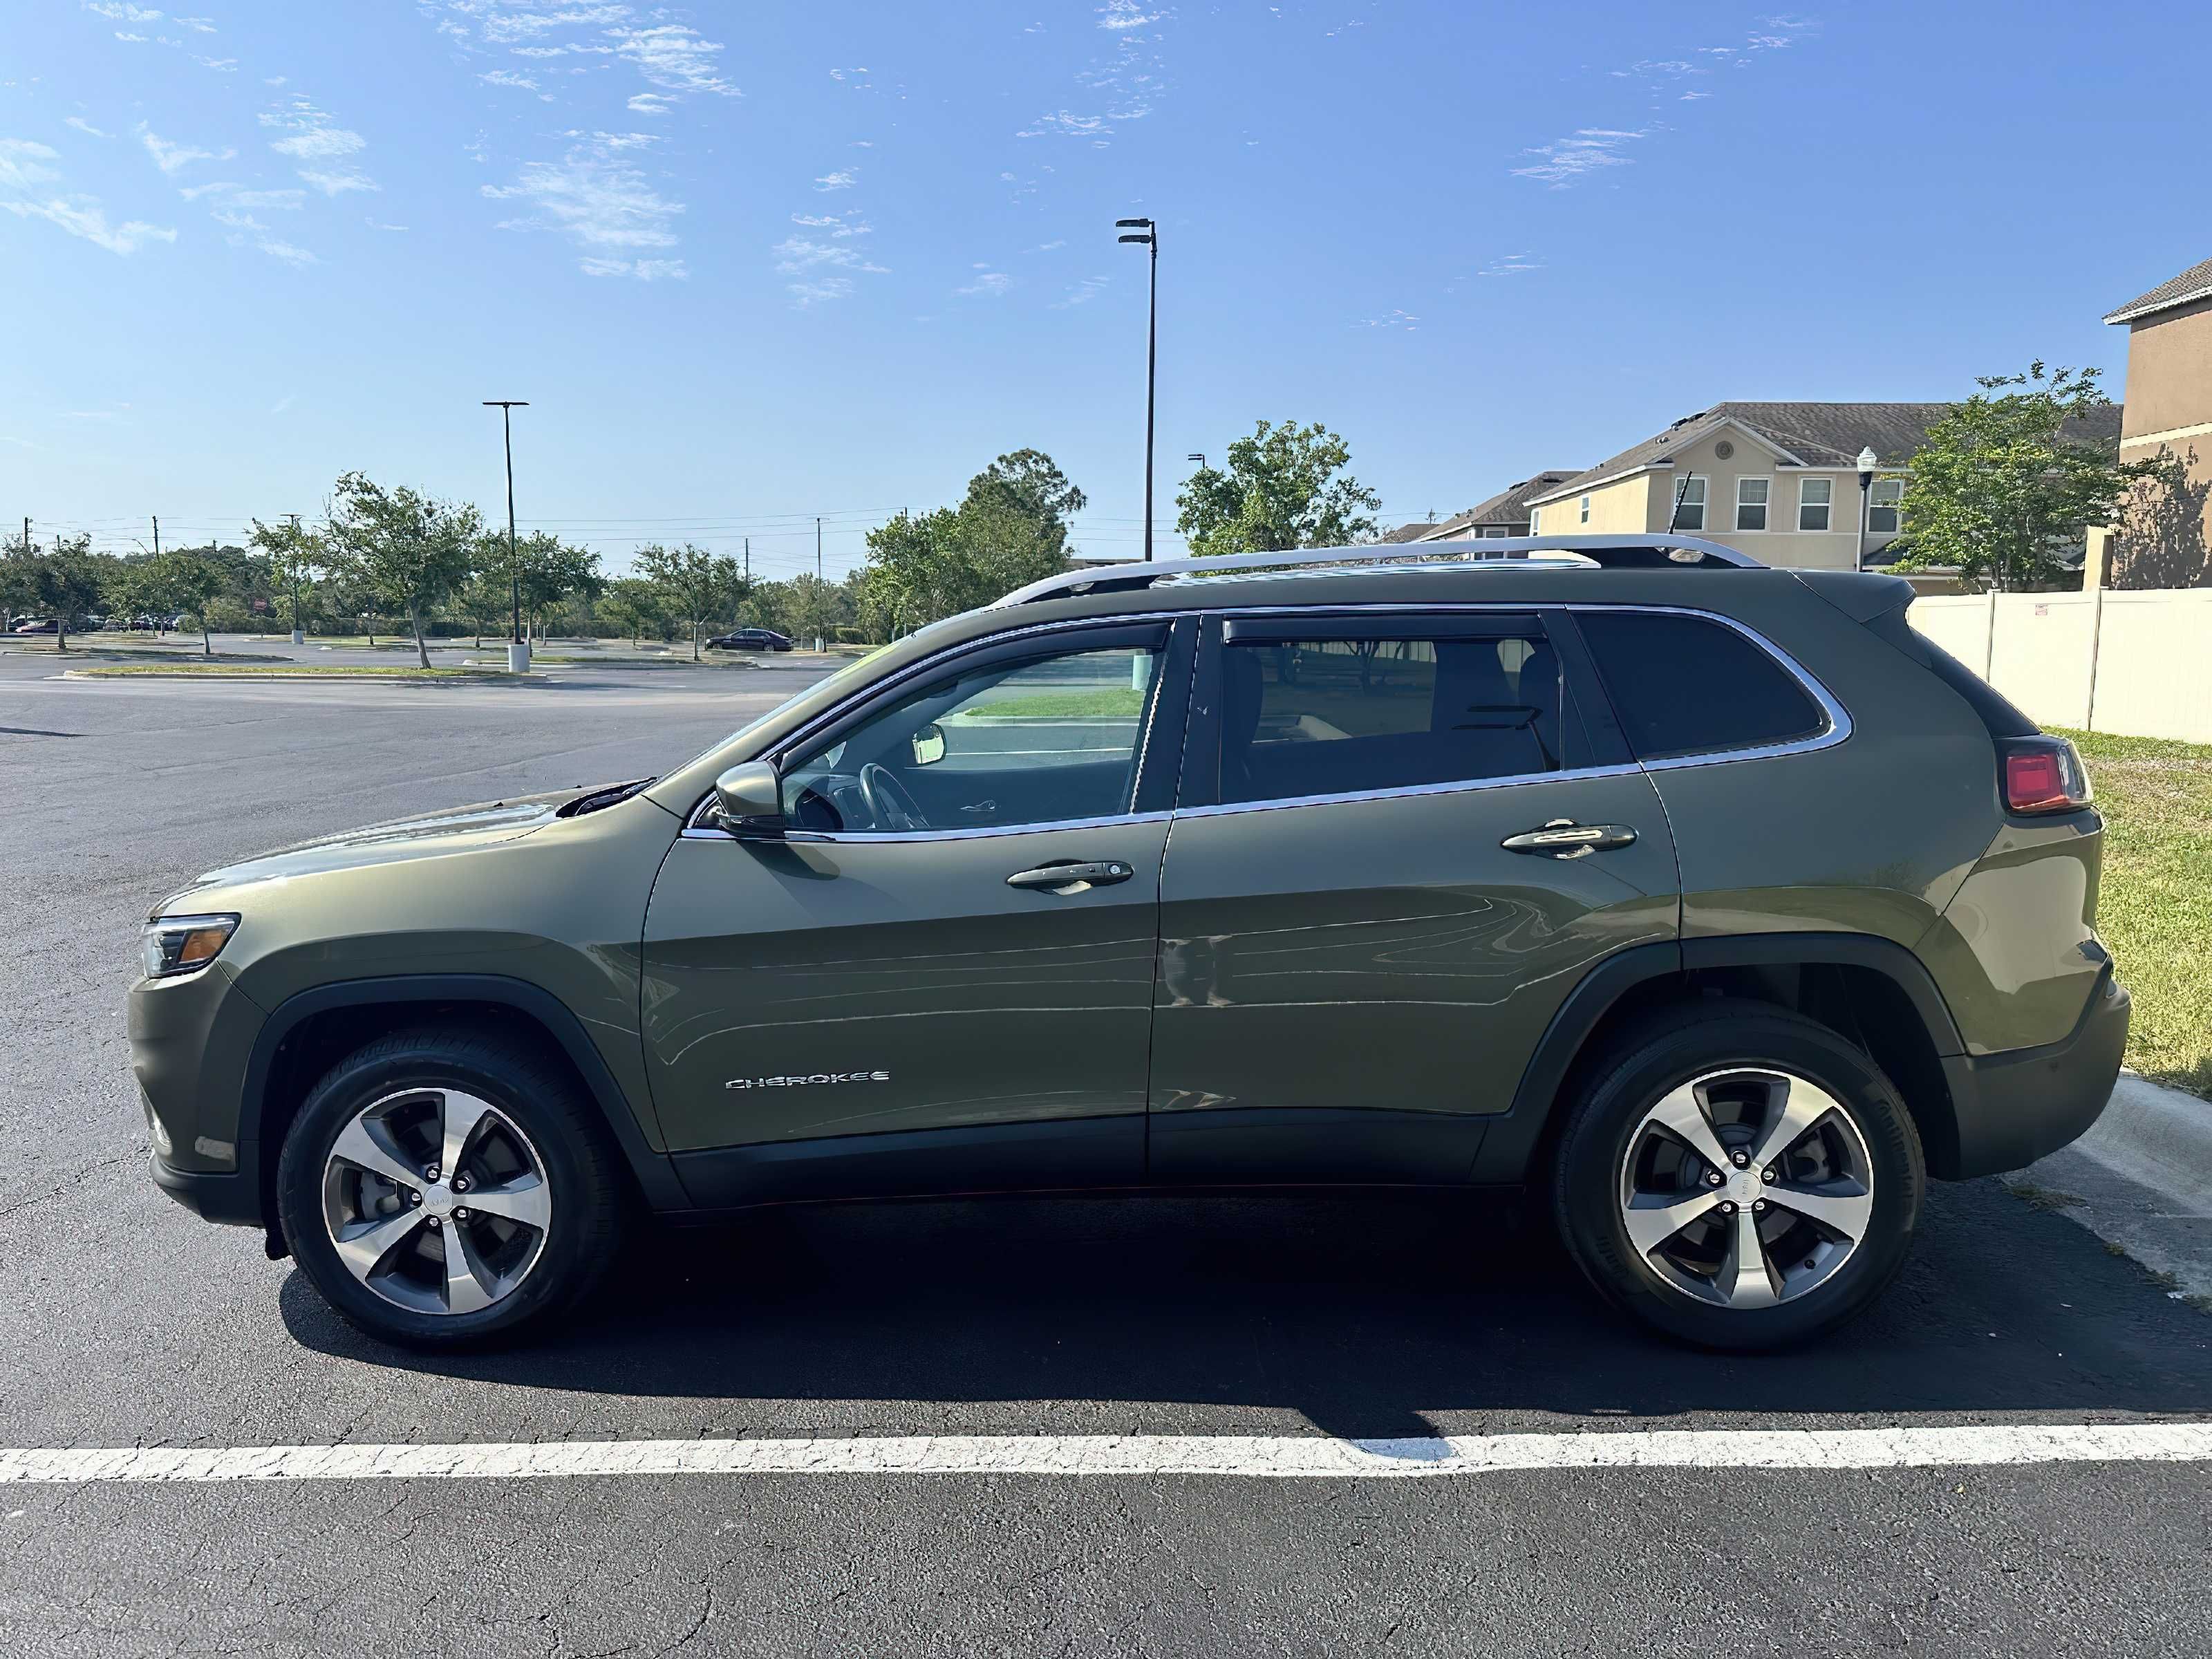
{"x": 751, "y": 264}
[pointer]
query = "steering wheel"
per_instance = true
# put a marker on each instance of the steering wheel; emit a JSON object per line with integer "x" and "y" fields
{"x": 892, "y": 807}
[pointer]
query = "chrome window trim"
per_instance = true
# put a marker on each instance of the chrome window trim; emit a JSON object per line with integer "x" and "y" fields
{"x": 866, "y": 838}
{"x": 1460, "y": 787}
{"x": 1838, "y": 730}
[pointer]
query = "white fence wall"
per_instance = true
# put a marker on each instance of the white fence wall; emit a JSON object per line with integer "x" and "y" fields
{"x": 2139, "y": 663}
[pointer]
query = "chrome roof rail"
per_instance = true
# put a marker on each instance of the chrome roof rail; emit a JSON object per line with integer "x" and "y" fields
{"x": 1652, "y": 552}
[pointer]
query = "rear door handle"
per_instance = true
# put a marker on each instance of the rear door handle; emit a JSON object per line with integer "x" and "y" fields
{"x": 1073, "y": 878}
{"x": 1563, "y": 838}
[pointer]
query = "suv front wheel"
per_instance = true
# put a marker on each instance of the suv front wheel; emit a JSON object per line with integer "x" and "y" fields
{"x": 443, "y": 1187}
{"x": 1738, "y": 1176}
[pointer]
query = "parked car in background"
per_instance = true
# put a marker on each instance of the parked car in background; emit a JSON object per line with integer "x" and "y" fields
{"x": 1711, "y": 902}
{"x": 38, "y": 625}
{"x": 749, "y": 639}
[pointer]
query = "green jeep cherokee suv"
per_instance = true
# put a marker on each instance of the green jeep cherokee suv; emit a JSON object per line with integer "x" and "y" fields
{"x": 1709, "y": 898}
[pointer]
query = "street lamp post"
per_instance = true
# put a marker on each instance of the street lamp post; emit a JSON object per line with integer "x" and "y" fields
{"x": 298, "y": 637}
{"x": 1146, "y": 234}
{"x": 1868, "y": 461}
{"x": 518, "y": 648}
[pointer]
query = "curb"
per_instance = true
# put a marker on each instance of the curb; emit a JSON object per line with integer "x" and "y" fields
{"x": 471, "y": 677}
{"x": 2141, "y": 1179}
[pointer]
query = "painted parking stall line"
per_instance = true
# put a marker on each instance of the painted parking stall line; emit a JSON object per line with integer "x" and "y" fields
{"x": 1246, "y": 1456}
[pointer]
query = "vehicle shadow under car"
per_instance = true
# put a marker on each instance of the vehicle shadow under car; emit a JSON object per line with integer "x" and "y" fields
{"x": 1376, "y": 1314}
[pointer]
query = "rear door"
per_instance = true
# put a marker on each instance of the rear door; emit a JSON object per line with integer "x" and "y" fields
{"x": 1402, "y": 838}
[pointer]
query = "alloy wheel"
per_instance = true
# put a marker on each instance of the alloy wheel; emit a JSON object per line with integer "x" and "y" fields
{"x": 436, "y": 1200}
{"x": 1747, "y": 1188}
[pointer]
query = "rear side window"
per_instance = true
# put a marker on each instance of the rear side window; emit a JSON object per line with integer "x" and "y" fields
{"x": 1683, "y": 685}
{"x": 1323, "y": 716}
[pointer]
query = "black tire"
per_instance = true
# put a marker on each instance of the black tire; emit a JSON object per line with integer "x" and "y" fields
{"x": 1640, "y": 1068}
{"x": 588, "y": 1189}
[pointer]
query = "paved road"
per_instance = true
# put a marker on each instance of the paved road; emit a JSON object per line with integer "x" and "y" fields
{"x": 130, "y": 1322}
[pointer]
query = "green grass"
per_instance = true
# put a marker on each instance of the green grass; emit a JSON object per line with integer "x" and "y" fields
{"x": 2154, "y": 909}
{"x": 1112, "y": 702}
{"x": 288, "y": 670}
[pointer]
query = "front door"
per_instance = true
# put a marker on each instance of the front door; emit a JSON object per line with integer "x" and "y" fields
{"x": 942, "y": 980}
{"x": 1401, "y": 846}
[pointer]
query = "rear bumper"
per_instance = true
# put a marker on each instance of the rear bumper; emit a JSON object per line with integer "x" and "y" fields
{"x": 2015, "y": 1106}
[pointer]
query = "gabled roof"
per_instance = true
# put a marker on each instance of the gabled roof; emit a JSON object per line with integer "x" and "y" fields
{"x": 2193, "y": 284}
{"x": 1805, "y": 435}
{"x": 1509, "y": 506}
{"x": 1408, "y": 532}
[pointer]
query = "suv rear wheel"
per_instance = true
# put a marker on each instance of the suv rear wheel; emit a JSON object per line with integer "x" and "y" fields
{"x": 443, "y": 1189}
{"x": 1738, "y": 1176}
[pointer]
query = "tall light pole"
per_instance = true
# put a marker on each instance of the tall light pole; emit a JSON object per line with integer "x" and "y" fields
{"x": 518, "y": 653}
{"x": 293, "y": 564}
{"x": 1146, "y": 234}
{"x": 1867, "y": 460}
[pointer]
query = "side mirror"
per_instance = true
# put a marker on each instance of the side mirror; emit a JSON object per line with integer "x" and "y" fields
{"x": 749, "y": 800}
{"x": 929, "y": 745}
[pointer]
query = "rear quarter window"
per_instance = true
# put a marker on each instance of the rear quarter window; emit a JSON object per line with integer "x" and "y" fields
{"x": 1685, "y": 685}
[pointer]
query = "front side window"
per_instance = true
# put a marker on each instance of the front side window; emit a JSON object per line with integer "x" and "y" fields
{"x": 1884, "y": 502}
{"x": 1690, "y": 504}
{"x": 1585, "y": 510}
{"x": 1815, "y": 498}
{"x": 1328, "y": 715}
{"x": 1687, "y": 685}
{"x": 1043, "y": 740}
{"x": 1751, "y": 503}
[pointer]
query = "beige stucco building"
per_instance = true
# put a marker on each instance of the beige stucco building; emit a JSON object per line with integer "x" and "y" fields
{"x": 2169, "y": 410}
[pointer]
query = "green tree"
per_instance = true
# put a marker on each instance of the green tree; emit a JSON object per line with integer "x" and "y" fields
{"x": 550, "y": 570}
{"x": 191, "y": 582}
{"x": 487, "y": 596}
{"x": 1285, "y": 487}
{"x": 295, "y": 556}
{"x": 407, "y": 549}
{"x": 65, "y": 581}
{"x": 635, "y": 604}
{"x": 1011, "y": 528}
{"x": 19, "y": 556}
{"x": 693, "y": 584}
{"x": 2006, "y": 482}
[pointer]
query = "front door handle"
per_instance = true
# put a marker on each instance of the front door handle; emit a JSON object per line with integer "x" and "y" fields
{"x": 1563, "y": 838}
{"x": 1069, "y": 877}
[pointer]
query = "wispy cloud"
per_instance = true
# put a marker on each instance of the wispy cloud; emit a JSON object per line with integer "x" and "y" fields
{"x": 85, "y": 126}
{"x": 1510, "y": 265}
{"x": 173, "y": 159}
{"x": 508, "y": 78}
{"x": 674, "y": 58}
{"x": 844, "y": 179}
{"x": 1082, "y": 294}
{"x": 1404, "y": 321}
{"x": 284, "y": 403}
{"x": 649, "y": 103}
{"x": 645, "y": 270}
{"x": 1126, "y": 15}
{"x": 819, "y": 290}
{"x": 314, "y": 139}
{"x": 795, "y": 254}
{"x": 27, "y": 178}
{"x": 600, "y": 200}
{"x": 838, "y": 224}
{"x": 118, "y": 11}
{"x": 988, "y": 284}
{"x": 1565, "y": 161}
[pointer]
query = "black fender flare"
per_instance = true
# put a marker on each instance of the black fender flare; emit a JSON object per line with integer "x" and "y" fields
{"x": 656, "y": 1175}
{"x": 1514, "y": 1134}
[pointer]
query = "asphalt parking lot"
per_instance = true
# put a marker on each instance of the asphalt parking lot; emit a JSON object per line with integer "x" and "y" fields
{"x": 1384, "y": 1318}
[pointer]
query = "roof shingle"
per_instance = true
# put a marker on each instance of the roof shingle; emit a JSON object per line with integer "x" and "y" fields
{"x": 2194, "y": 283}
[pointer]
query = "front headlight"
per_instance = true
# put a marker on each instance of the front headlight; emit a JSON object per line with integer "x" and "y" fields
{"x": 179, "y": 945}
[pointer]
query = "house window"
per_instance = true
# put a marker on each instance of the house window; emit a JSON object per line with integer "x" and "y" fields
{"x": 1689, "y": 504}
{"x": 1883, "y": 502}
{"x": 1584, "y": 510}
{"x": 1751, "y": 503}
{"x": 1535, "y": 521}
{"x": 1494, "y": 532}
{"x": 1815, "y": 496}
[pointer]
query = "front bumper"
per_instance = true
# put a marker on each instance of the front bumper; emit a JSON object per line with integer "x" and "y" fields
{"x": 2011, "y": 1107}
{"x": 233, "y": 1199}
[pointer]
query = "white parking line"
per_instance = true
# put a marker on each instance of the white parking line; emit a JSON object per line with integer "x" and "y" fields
{"x": 1252, "y": 1456}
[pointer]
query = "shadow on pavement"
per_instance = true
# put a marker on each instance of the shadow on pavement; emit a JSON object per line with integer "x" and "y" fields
{"x": 1372, "y": 1314}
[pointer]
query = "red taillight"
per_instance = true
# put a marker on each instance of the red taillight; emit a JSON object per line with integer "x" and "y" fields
{"x": 2043, "y": 774}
